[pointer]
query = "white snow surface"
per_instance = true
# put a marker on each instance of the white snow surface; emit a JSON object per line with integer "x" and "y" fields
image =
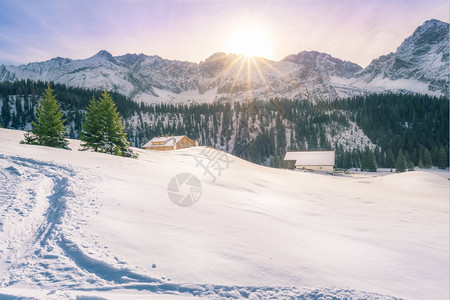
{"x": 83, "y": 224}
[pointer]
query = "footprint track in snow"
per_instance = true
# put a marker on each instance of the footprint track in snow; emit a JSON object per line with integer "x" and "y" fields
{"x": 39, "y": 249}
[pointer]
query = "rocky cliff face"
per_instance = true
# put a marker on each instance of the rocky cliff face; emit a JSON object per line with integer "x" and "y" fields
{"x": 421, "y": 60}
{"x": 420, "y": 64}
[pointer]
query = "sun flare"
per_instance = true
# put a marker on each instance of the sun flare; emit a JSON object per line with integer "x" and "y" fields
{"x": 249, "y": 41}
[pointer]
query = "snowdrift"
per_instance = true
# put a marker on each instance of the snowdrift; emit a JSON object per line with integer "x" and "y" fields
{"x": 76, "y": 223}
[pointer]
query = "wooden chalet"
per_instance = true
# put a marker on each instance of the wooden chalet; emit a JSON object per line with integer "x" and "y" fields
{"x": 169, "y": 143}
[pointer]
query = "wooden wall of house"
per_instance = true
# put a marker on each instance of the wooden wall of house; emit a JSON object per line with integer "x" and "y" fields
{"x": 167, "y": 148}
{"x": 185, "y": 142}
{"x": 290, "y": 164}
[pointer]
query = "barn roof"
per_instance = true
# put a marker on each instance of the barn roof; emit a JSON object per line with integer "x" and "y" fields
{"x": 168, "y": 141}
{"x": 311, "y": 158}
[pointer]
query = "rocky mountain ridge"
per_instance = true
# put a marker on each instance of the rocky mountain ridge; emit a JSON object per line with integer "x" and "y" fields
{"x": 420, "y": 65}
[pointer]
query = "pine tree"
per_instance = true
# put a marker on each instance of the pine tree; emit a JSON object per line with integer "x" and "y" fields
{"x": 355, "y": 158}
{"x": 363, "y": 158}
{"x": 420, "y": 164}
{"x": 400, "y": 164}
{"x": 347, "y": 160}
{"x": 390, "y": 160}
{"x": 48, "y": 129}
{"x": 6, "y": 113}
{"x": 103, "y": 130}
{"x": 442, "y": 158}
{"x": 92, "y": 130}
{"x": 427, "y": 159}
{"x": 411, "y": 165}
{"x": 371, "y": 164}
{"x": 377, "y": 155}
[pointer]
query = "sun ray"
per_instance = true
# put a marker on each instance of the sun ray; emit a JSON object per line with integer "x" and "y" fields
{"x": 227, "y": 67}
{"x": 236, "y": 77}
{"x": 266, "y": 84}
{"x": 249, "y": 80}
{"x": 270, "y": 66}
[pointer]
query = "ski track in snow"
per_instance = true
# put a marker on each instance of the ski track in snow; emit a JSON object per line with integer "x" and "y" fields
{"x": 38, "y": 236}
{"x": 38, "y": 252}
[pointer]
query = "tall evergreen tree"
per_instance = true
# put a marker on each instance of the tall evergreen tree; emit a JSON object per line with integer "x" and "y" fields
{"x": 371, "y": 164}
{"x": 6, "y": 112}
{"x": 390, "y": 159}
{"x": 92, "y": 135}
{"x": 48, "y": 129}
{"x": 363, "y": 159}
{"x": 103, "y": 130}
{"x": 347, "y": 161}
{"x": 442, "y": 158}
{"x": 427, "y": 159}
{"x": 420, "y": 164}
{"x": 400, "y": 164}
{"x": 411, "y": 166}
{"x": 377, "y": 155}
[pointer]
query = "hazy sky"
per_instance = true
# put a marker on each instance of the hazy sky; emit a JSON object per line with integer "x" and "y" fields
{"x": 192, "y": 30}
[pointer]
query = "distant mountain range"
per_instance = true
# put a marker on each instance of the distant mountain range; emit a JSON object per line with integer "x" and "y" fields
{"x": 420, "y": 65}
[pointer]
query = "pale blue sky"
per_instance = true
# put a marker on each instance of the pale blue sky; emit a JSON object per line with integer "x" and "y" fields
{"x": 192, "y": 30}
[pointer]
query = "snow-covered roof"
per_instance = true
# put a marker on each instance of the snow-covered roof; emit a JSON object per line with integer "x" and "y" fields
{"x": 167, "y": 140}
{"x": 311, "y": 158}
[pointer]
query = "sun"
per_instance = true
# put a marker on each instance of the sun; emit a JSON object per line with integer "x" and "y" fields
{"x": 249, "y": 41}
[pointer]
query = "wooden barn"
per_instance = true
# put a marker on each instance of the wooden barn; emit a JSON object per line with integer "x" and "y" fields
{"x": 321, "y": 161}
{"x": 169, "y": 143}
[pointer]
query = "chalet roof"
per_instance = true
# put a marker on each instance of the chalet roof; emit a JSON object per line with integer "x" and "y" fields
{"x": 311, "y": 158}
{"x": 169, "y": 141}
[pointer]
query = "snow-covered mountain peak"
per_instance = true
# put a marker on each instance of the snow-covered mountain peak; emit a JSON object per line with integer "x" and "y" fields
{"x": 420, "y": 63}
{"x": 216, "y": 56}
{"x": 103, "y": 55}
{"x": 134, "y": 60}
{"x": 431, "y": 33}
{"x": 61, "y": 59}
{"x": 329, "y": 64}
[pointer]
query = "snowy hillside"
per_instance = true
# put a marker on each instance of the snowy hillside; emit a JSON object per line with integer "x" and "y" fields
{"x": 419, "y": 65}
{"x": 87, "y": 224}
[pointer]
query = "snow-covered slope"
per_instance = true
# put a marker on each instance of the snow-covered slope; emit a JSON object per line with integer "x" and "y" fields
{"x": 88, "y": 224}
{"x": 419, "y": 65}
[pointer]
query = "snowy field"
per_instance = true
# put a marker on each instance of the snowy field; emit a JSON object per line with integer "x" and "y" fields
{"x": 92, "y": 226}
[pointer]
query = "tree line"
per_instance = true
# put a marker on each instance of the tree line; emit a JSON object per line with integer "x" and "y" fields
{"x": 263, "y": 131}
{"x": 415, "y": 125}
